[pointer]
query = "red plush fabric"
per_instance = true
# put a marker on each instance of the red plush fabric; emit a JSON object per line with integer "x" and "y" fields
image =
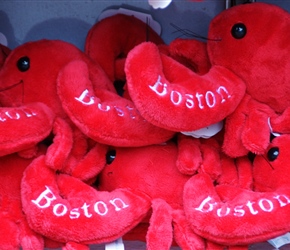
{"x": 75, "y": 212}
{"x": 180, "y": 99}
{"x": 18, "y": 124}
{"x": 14, "y": 230}
{"x": 28, "y": 77}
{"x": 152, "y": 170}
{"x": 258, "y": 54}
{"x": 229, "y": 214}
{"x": 103, "y": 115}
{"x": 109, "y": 41}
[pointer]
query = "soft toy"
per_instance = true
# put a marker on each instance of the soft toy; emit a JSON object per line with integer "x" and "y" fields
{"x": 234, "y": 40}
{"x": 26, "y": 80}
{"x": 65, "y": 209}
{"x": 181, "y": 99}
{"x": 153, "y": 170}
{"x": 240, "y": 42}
{"x": 109, "y": 45}
{"x": 132, "y": 182}
{"x": 14, "y": 228}
{"x": 108, "y": 42}
{"x": 14, "y": 132}
{"x": 230, "y": 215}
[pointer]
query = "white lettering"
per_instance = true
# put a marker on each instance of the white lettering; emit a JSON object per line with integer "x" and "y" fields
{"x": 104, "y": 206}
{"x": 175, "y": 97}
{"x": 106, "y": 108}
{"x": 59, "y": 210}
{"x": 45, "y": 198}
{"x": 28, "y": 112}
{"x": 189, "y": 101}
{"x": 282, "y": 203}
{"x": 268, "y": 202}
{"x": 74, "y": 213}
{"x": 251, "y": 208}
{"x": 205, "y": 203}
{"x": 210, "y": 99}
{"x": 163, "y": 89}
{"x": 199, "y": 99}
{"x": 123, "y": 204}
{"x": 219, "y": 212}
{"x": 223, "y": 92}
{"x": 15, "y": 116}
{"x": 86, "y": 210}
{"x": 120, "y": 112}
{"x": 84, "y": 95}
{"x": 2, "y": 119}
{"x": 130, "y": 109}
{"x": 239, "y": 211}
{"x": 254, "y": 207}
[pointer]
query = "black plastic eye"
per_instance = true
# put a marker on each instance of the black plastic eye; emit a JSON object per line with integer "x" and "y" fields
{"x": 110, "y": 156}
{"x": 273, "y": 154}
{"x": 239, "y": 30}
{"x": 23, "y": 64}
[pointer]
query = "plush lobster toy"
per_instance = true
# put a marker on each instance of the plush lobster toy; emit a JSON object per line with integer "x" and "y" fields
{"x": 183, "y": 98}
{"x": 153, "y": 170}
{"x": 134, "y": 190}
{"x": 13, "y": 223}
{"x": 109, "y": 43}
{"x": 75, "y": 213}
{"x": 258, "y": 56}
{"x": 39, "y": 97}
{"x": 229, "y": 214}
{"x": 242, "y": 54}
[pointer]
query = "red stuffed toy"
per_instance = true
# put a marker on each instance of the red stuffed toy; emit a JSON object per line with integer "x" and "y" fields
{"x": 181, "y": 99}
{"x": 14, "y": 228}
{"x": 153, "y": 170}
{"x": 229, "y": 214}
{"x": 113, "y": 119}
{"x": 15, "y": 231}
{"x": 38, "y": 116}
{"x": 109, "y": 43}
{"x": 240, "y": 42}
{"x": 187, "y": 102}
{"x": 39, "y": 92}
{"x": 78, "y": 214}
{"x": 75, "y": 213}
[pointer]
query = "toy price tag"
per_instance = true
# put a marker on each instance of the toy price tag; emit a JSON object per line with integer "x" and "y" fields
{"x": 206, "y": 132}
{"x": 115, "y": 245}
{"x": 280, "y": 241}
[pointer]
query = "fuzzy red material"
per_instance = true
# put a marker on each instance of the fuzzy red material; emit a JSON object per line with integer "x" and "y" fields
{"x": 108, "y": 42}
{"x": 251, "y": 40}
{"x": 185, "y": 95}
{"x": 75, "y": 212}
{"x": 230, "y": 214}
{"x": 153, "y": 170}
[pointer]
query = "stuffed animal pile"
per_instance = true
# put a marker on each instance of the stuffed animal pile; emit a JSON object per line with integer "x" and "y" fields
{"x": 181, "y": 144}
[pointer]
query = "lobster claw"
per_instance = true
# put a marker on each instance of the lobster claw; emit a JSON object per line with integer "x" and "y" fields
{"x": 180, "y": 100}
{"x": 230, "y": 215}
{"x": 24, "y": 120}
{"x": 103, "y": 115}
{"x": 66, "y": 209}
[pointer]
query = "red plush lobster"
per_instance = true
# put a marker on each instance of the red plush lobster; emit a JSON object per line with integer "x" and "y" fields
{"x": 137, "y": 187}
{"x": 233, "y": 215}
{"x": 247, "y": 83}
